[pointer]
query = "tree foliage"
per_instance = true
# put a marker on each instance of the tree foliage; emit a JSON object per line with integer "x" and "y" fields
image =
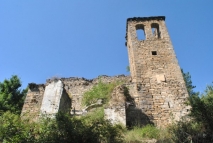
{"x": 202, "y": 108}
{"x": 11, "y": 96}
{"x": 188, "y": 82}
{"x": 202, "y": 104}
{"x": 63, "y": 128}
{"x": 200, "y": 127}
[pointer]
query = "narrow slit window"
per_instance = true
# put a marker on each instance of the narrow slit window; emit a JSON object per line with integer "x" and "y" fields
{"x": 154, "y": 52}
{"x": 140, "y": 32}
{"x": 155, "y": 30}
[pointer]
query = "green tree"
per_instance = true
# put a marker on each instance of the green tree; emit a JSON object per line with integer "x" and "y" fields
{"x": 14, "y": 130}
{"x": 201, "y": 111}
{"x": 11, "y": 96}
{"x": 188, "y": 82}
{"x": 202, "y": 107}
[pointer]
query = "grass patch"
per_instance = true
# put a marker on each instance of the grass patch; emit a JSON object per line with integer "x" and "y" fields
{"x": 100, "y": 91}
{"x": 138, "y": 134}
{"x": 97, "y": 114}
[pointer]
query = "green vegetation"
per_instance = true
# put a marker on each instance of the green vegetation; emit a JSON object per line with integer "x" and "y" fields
{"x": 188, "y": 81}
{"x": 61, "y": 129}
{"x": 202, "y": 107}
{"x": 11, "y": 96}
{"x": 187, "y": 132}
{"x": 97, "y": 114}
{"x": 100, "y": 91}
{"x": 92, "y": 128}
{"x": 200, "y": 126}
{"x": 138, "y": 133}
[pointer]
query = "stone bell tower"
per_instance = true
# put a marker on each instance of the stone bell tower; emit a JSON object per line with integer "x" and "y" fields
{"x": 160, "y": 91}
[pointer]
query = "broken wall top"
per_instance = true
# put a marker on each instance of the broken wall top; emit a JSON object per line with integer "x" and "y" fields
{"x": 142, "y": 19}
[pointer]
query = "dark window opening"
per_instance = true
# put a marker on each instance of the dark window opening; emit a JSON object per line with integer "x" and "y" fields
{"x": 154, "y": 52}
{"x": 140, "y": 32}
{"x": 168, "y": 104}
{"x": 155, "y": 30}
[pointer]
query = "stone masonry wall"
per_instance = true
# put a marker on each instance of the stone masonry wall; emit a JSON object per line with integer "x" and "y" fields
{"x": 73, "y": 87}
{"x": 76, "y": 87}
{"x": 115, "y": 112}
{"x": 55, "y": 99}
{"x": 160, "y": 89}
{"x": 33, "y": 100}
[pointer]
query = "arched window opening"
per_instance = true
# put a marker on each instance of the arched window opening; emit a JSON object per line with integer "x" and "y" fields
{"x": 140, "y": 32}
{"x": 155, "y": 30}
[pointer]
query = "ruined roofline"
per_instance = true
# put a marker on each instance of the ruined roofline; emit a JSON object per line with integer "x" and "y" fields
{"x": 82, "y": 78}
{"x": 142, "y": 19}
{"x": 34, "y": 85}
{"x": 104, "y": 78}
{"x": 146, "y": 18}
{"x": 94, "y": 80}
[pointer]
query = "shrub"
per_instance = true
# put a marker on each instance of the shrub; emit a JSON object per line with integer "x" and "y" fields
{"x": 13, "y": 129}
{"x": 63, "y": 128}
{"x": 100, "y": 91}
{"x": 202, "y": 108}
{"x": 97, "y": 114}
{"x": 137, "y": 134}
{"x": 187, "y": 132}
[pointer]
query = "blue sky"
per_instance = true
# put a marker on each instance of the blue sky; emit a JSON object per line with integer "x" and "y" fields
{"x": 40, "y": 39}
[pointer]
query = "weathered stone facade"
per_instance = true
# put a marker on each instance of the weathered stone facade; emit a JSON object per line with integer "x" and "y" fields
{"x": 53, "y": 96}
{"x": 154, "y": 93}
{"x": 116, "y": 110}
{"x": 55, "y": 99}
{"x": 160, "y": 91}
{"x": 33, "y": 100}
{"x": 76, "y": 87}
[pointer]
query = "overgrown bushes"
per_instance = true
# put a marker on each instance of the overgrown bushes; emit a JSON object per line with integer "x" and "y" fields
{"x": 199, "y": 129}
{"x": 63, "y": 128}
{"x": 100, "y": 91}
{"x": 92, "y": 128}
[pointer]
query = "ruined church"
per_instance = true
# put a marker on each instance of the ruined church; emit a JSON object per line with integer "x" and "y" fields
{"x": 155, "y": 91}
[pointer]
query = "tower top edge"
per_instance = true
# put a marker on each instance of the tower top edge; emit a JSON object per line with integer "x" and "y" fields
{"x": 146, "y": 18}
{"x": 142, "y": 19}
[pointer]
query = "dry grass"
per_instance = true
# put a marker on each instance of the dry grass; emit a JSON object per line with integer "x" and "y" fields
{"x": 149, "y": 132}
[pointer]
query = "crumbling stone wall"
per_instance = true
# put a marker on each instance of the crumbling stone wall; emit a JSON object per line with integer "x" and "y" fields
{"x": 115, "y": 112}
{"x": 160, "y": 90}
{"x": 55, "y": 99}
{"x": 33, "y": 100}
{"x": 76, "y": 87}
{"x": 69, "y": 89}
